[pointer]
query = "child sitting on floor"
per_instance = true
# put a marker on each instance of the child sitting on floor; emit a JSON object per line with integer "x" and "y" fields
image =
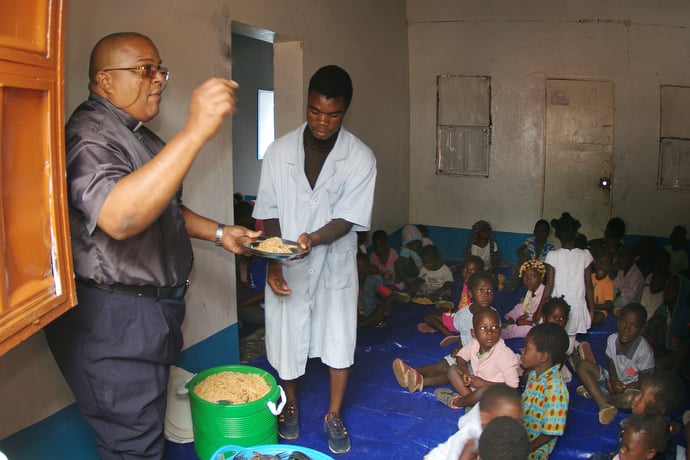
{"x": 602, "y": 286}
{"x": 497, "y": 401}
{"x": 556, "y": 310}
{"x": 482, "y": 287}
{"x": 520, "y": 317}
{"x": 537, "y": 246}
{"x": 545, "y": 397}
{"x": 412, "y": 244}
{"x": 502, "y": 439}
{"x": 661, "y": 394}
{"x": 438, "y": 279}
{"x": 370, "y": 284}
{"x": 481, "y": 243}
{"x": 485, "y": 361}
{"x": 679, "y": 257}
{"x": 434, "y": 374}
{"x": 642, "y": 439}
{"x": 629, "y": 281}
{"x": 653, "y": 290}
{"x": 629, "y": 358}
{"x": 667, "y": 330}
{"x": 383, "y": 257}
{"x": 443, "y": 321}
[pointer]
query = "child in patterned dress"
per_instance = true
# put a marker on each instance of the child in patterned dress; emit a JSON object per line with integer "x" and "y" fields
{"x": 545, "y": 398}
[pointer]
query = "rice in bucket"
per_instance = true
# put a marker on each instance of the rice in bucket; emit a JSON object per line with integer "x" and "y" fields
{"x": 227, "y": 408}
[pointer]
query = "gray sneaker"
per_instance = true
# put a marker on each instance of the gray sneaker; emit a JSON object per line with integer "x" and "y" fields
{"x": 338, "y": 439}
{"x": 288, "y": 421}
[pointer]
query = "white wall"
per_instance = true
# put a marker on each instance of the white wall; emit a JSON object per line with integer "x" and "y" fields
{"x": 366, "y": 38}
{"x": 638, "y": 45}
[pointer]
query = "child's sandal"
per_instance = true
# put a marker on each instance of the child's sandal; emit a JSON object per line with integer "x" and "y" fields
{"x": 446, "y": 396}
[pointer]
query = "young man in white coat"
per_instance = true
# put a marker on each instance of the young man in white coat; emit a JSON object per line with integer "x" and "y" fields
{"x": 316, "y": 188}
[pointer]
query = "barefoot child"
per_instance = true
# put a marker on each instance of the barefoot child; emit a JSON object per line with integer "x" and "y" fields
{"x": 484, "y": 362}
{"x": 629, "y": 358}
{"x": 497, "y": 401}
{"x": 545, "y": 398}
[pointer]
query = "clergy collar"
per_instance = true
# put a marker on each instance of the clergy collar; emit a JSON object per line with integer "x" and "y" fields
{"x": 128, "y": 120}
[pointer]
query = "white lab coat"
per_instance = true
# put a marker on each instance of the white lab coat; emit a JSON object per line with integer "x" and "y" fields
{"x": 319, "y": 318}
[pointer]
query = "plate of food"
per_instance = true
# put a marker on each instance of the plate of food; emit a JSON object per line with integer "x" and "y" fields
{"x": 275, "y": 248}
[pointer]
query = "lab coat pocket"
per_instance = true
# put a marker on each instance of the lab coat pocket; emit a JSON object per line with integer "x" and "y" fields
{"x": 339, "y": 270}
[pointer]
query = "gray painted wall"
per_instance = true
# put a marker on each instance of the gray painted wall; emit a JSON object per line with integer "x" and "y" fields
{"x": 252, "y": 68}
{"x": 637, "y": 45}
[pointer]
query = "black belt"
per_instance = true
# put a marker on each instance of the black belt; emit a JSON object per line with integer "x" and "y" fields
{"x": 153, "y": 292}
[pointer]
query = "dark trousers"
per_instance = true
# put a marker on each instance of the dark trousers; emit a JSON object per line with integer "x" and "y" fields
{"x": 115, "y": 351}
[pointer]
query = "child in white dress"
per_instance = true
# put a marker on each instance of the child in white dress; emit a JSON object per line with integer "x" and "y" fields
{"x": 569, "y": 275}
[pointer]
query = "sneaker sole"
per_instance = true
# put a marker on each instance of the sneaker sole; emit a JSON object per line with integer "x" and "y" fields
{"x": 339, "y": 451}
{"x": 282, "y": 436}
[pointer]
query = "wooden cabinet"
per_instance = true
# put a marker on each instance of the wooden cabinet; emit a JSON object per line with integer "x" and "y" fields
{"x": 36, "y": 274}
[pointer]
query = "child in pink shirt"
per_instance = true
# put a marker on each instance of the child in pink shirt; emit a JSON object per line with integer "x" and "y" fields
{"x": 483, "y": 362}
{"x": 383, "y": 257}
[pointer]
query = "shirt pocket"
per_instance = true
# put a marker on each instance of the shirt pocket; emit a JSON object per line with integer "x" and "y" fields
{"x": 339, "y": 268}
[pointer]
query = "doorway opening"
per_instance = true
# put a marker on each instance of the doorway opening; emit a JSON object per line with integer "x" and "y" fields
{"x": 262, "y": 61}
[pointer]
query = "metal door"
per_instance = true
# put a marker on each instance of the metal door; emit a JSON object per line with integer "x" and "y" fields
{"x": 578, "y": 148}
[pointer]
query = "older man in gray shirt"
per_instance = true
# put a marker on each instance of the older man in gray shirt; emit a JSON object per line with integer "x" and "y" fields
{"x": 131, "y": 242}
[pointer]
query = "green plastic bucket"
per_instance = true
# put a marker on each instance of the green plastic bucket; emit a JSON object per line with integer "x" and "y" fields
{"x": 246, "y": 425}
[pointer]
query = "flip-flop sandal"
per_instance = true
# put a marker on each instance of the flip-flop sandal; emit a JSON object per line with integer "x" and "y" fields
{"x": 401, "y": 372}
{"x": 449, "y": 340}
{"x": 446, "y": 396}
{"x": 415, "y": 381}
{"x": 582, "y": 391}
{"x": 607, "y": 414}
{"x": 403, "y": 296}
{"x": 424, "y": 328}
{"x": 445, "y": 305}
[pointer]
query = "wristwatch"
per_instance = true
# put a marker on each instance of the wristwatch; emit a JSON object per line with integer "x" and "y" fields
{"x": 219, "y": 234}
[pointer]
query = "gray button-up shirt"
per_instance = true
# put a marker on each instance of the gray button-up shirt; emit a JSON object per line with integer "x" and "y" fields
{"x": 105, "y": 144}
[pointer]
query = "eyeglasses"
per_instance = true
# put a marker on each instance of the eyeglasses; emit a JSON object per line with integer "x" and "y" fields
{"x": 147, "y": 70}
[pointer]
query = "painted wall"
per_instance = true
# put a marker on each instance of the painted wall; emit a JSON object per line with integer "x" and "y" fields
{"x": 635, "y": 44}
{"x": 369, "y": 39}
{"x": 252, "y": 62}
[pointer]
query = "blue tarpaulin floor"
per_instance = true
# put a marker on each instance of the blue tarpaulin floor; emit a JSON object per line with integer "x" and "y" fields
{"x": 386, "y": 421}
